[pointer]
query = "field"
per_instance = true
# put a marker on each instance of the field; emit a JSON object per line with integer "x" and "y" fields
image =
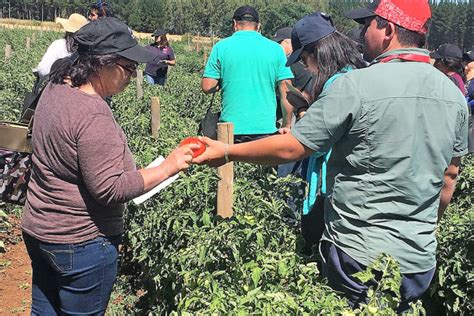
{"x": 180, "y": 258}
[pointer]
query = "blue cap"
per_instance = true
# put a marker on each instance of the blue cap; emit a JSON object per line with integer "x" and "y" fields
{"x": 308, "y": 30}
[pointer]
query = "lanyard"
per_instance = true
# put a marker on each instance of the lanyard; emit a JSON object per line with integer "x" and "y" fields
{"x": 407, "y": 57}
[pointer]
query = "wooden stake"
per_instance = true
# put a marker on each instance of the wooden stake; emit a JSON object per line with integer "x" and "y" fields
{"x": 197, "y": 42}
{"x": 33, "y": 38}
{"x": 205, "y": 57}
{"x": 155, "y": 117}
{"x": 139, "y": 84}
{"x": 28, "y": 43}
{"x": 225, "y": 186}
{"x": 8, "y": 51}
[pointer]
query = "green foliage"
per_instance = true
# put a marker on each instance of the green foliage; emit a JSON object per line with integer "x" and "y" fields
{"x": 146, "y": 15}
{"x": 453, "y": 289}
{"x": 452, "y": 20}
{"x": 282, "y": 15}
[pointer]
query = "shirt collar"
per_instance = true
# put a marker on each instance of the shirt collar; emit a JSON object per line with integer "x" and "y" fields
{"x": 246, "y": 33}
{"x": 418, "y": 51}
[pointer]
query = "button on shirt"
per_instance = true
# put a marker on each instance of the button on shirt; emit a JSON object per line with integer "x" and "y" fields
{"x": 249, "y": 67}
{"x": 394, "y": 128}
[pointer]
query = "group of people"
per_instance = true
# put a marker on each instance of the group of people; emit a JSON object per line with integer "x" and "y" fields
{"x": 156, "y": 70}
{"x": 382, "y": 135}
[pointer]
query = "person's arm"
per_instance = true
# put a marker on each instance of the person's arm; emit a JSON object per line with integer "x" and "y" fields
{"x": 209, "y": 85}
{"x": 102, "y": 153}
{"x": 271, "y": 151}
{"x": 286, "y": 107}
{"x": 170, "y": 62}
{"x": 460, "y": 148}
{"x": 450, "y": 176}
{"x": 212, "y": 73}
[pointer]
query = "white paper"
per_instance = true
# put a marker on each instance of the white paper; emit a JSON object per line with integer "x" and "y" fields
{"x": 142, "y": 198}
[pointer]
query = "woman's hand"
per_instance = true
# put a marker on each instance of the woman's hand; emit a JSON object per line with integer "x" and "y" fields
{"x": 179, "y": 159}
{"x": 214, "y": 155}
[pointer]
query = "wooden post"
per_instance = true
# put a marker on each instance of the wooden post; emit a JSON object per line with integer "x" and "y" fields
{"x": 139, "y": 84}
{"x": 8, "y": 51}
{"x": 155, "y": 117}
{"x": 189, "y": 40}
{"x": 197, "y": 42}
{"x": 205, "y": 57}
{"x": 225, "y": 186}
{"x": 28, "y": 43}
{"x": 33, "y": 38}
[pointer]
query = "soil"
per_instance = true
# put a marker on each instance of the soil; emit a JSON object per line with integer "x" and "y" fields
{"x": 15, "y": 272}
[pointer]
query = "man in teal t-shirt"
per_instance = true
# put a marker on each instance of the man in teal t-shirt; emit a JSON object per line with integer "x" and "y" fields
{"x": 247, "y": 67}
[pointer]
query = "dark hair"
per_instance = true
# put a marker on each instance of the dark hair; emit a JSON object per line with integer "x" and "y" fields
{"x": 405, "y": 37}
{"x": 94, "y": 8}
{"x": 247, "y": 23}
{"x": 163, "y": 41}
{"x": 80, "y": 70}
{"x": 333, "y": 53}
{"x": 453, "y": 65}
{"x": 71, "y": 46}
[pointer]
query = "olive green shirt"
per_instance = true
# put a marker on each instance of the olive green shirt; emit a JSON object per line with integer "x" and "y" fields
{"x": 394, "y": 128}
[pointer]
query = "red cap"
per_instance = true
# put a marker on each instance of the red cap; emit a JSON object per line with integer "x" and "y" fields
{"x": 409, "y": 14}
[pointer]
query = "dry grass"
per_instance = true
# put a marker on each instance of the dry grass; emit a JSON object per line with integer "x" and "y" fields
{"x": 51, "y": 26}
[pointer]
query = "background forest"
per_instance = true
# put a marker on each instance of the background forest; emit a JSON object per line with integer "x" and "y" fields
{"x": 453, "y": 21}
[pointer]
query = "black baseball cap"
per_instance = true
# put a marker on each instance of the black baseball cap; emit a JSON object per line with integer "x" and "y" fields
{"x": 246, "y": 13}
{"x": 308, "y": 30}
{"x": 159, "y": 32}
{"x": 447, "y": 51}
{"x": 110, "y": 36}
{"x": 468, "y": 56}
{"x": 356, "y": 35}
{"x": 282, "y": 34}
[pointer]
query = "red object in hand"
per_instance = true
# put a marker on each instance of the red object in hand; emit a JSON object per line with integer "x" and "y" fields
{"x": 192, "y": 141}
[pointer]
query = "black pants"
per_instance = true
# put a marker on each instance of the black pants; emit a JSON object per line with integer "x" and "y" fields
{"x": 243, "y": 138}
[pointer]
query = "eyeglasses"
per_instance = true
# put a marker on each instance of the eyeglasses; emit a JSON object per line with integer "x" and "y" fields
{"x": 130, "y": 68}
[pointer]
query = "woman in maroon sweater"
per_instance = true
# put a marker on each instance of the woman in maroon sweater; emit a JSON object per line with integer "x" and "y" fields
{"x": 83, "y": 172}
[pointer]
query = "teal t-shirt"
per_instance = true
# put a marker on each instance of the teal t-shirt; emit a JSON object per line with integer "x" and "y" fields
{"x": 249, "y": 67}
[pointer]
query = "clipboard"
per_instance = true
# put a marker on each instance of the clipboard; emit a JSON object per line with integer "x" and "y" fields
{"x": 142, "y": 198}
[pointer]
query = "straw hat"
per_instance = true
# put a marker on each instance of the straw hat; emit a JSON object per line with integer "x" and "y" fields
{"x": 73, "y": 23}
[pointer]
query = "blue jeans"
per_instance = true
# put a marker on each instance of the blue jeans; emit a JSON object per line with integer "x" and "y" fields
{"x": 155, "y": 79}
{"x": 72, "y": 279}
{"x": 338, "y": 268}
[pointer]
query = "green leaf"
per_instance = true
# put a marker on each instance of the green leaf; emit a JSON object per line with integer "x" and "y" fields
{"x": 256, "y": 274}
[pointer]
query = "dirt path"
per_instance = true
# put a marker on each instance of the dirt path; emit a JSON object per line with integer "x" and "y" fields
{"x": 15, "y": 273}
